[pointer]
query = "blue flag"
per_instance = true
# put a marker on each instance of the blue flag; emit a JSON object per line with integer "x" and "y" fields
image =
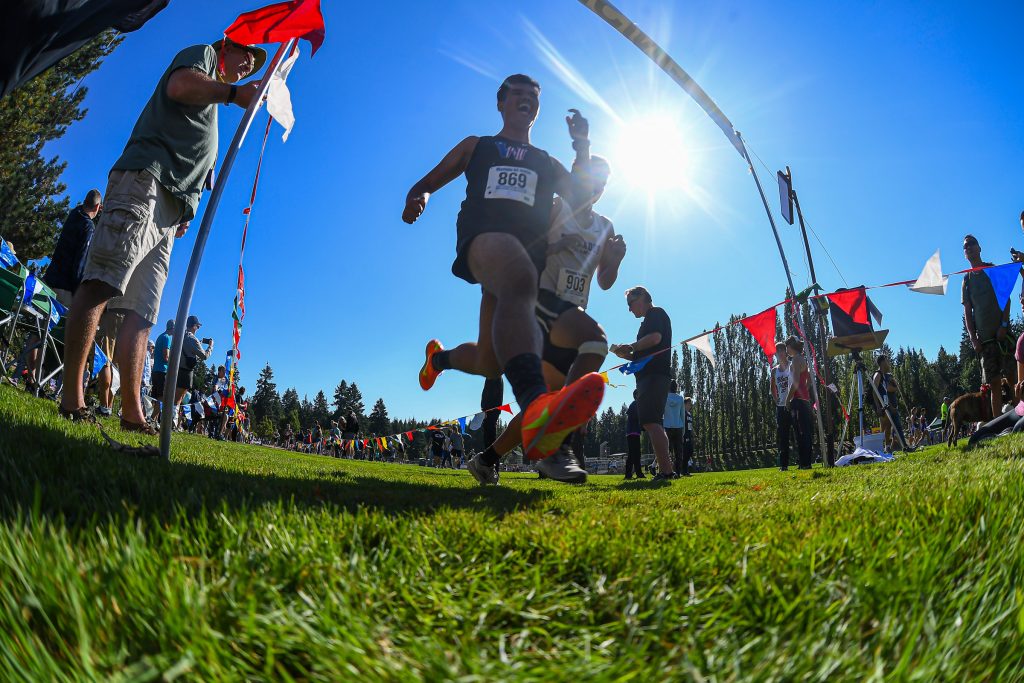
{"x": 1003, "y": 279}
{"x": 32, "y": 285}
{"x": 7, "y": 257}
{"x": 462, "y": 425}
{"x": 99, "y": 361}
{"x": 635, "y": 366}
{"x": 57, "y": 310}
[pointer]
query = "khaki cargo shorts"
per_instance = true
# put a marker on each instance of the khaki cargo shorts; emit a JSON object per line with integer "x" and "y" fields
{"x": 131, "y": 247}
{"x": 997, "y": 361}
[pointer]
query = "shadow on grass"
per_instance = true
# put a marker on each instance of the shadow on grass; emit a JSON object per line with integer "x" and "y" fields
{"x": 68, "y": 473}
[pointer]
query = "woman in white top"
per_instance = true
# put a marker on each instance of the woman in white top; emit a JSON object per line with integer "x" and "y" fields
{"x": 782, "y": 385}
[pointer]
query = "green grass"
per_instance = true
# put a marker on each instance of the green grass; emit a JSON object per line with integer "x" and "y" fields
{"x": 238, "y": 562}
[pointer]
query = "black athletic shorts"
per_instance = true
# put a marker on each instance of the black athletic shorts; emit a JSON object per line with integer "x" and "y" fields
{"x": 184, "y": 379}
{"x": 651, "y": 394}
{"x": 549, "y": 308}
{"x": 536, "y": 246}
{"x": 158, "y": 379}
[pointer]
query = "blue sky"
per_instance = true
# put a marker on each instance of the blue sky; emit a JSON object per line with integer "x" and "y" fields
{"x": 901, "y": 121}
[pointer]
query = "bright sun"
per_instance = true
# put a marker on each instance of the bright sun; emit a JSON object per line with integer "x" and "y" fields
{"x": 650, "y": 153}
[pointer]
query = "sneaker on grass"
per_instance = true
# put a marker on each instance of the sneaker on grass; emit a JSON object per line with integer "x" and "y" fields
{"x": 551, "y": 417}
{"x": 562, "y": 467}
{"x": 486, "y": 474}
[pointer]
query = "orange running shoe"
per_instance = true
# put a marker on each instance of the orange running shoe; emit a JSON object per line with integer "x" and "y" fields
{"x": 553, "y": 416}
{"x": 428, "y": 375}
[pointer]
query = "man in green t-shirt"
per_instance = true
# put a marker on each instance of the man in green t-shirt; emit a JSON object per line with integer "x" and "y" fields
{"x": 987, "y": 325}
{"x": 152, "y": 194}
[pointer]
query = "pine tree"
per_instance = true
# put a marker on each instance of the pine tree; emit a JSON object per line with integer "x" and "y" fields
{"x": 341, "y": 409}
{"x": 321, "y": 411}
{"x": 39, "y": 111}
{"x": 265, "y": 401}
{"x": 306, "y": 413}
{"x": 354, "y": 401}
{"x": 379, "y": 423}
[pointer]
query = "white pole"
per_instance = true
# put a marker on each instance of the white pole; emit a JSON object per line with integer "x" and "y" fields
{"x": 188, "y": 288}
{"x": 792, "y": 289}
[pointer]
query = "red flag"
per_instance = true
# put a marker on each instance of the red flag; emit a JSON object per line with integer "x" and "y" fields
{"x": 408, "y": 435}
{"x": 762, "y": 326}
{"x": 280, "y": 22}
{"x": 507, "y": 408}
{"x": 853, "y": 302}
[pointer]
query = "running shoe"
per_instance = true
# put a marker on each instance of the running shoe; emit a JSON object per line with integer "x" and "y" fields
{"x": 562, "y": 467}
{"x": 428, "y": 375}
{"x": 553, "y": 416}
{"x": 486, "y": 474}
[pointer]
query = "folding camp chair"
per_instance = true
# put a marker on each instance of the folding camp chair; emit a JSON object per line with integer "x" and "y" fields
{"x": 37, "y": 312}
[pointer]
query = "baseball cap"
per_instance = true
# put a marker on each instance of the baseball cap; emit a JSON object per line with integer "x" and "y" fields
{"x": 193, "y": 320}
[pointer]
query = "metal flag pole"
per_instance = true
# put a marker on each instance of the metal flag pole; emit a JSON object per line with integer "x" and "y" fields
{"x": 792, "y": 289}
{"x": 189, "y": 286}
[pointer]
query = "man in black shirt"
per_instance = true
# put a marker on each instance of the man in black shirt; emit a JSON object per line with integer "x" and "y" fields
{"x": 68, "y": 261}
{"x": 653, "y": 379}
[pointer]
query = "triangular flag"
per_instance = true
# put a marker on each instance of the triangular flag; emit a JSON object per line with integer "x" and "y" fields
{"x": 604, "y": 376}
{"x": 477, "y": 422}
{"x": 462, "y": 425}
{"x": 507, "y": 408}
{"x": 762, "y": 326}
{"x": 99, "y": 361}
{"x": 408, "y": 435}
{"x": 1003, "y": 278}
{"x": 703, "y": 344}
{"x": 876, "y": 314}
{"x": 280, "y": 22}
{"x": 931, "y": 280}
{"x": 635, "y": 366}
{"x": 853, "y": 302}
{"x": 279, "y": 99}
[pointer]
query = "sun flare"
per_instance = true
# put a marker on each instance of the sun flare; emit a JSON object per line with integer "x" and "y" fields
{"x": 651, "y": 153}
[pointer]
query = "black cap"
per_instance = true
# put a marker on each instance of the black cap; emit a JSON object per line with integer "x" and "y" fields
{"x": 170, "y": 325}
{"x": 193, "y": 320}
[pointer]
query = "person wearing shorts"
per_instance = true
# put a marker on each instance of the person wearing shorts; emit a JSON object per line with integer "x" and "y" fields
{"x": 654, "y": 379}
{"x": 501, "y": 244}
{"x": 152, "y": 193}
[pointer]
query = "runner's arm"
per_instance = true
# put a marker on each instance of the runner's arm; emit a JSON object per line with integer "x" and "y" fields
{"x": 451, "y": 167}
{"x": 576, "y": 187}
{"x": 612, "y": 253}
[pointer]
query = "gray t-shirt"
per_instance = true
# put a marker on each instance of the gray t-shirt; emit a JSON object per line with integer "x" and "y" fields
{"x": 988, "y": 317}
{"x": 193, "y": 348}
{"x": 175, "y": 142}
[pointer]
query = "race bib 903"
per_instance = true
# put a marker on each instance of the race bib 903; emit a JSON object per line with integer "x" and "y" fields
{"x": 572, "y": 286}
{"x": 511, "y": 182}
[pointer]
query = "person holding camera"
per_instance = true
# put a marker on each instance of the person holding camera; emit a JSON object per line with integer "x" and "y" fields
{"x": 192, "y": 353}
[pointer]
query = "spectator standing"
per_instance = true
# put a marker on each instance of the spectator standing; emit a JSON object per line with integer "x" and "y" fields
{"x": 437, "y": 444}
{"x": 458, "y": 446}
{"x": 351, "y": 431}
{"x": 152, "y": 193}
{"x": 652, "y": 381}
{"x": 192, "y": 353}
{"x": 782, "y": 384}
{"x": 944, "y": 414}
{"x": 800, "y": 401}
{"x": 889, "y": 390}
{"x": 161, "y": 356}
{"x": 987, "y": 325}
{"x": 689, "y": 438}
{"x": 674, "y": 423}
{"x": 633, "y": 467}
{"x": 67, "y": 264}
{"x": 147, "y": 374}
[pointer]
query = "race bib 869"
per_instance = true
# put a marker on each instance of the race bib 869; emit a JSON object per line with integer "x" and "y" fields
{"x": 511, "y": 182}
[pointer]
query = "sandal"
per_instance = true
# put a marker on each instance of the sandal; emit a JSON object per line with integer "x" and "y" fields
{"x": 82, "y": 414}
{"x": 138, "y": 427}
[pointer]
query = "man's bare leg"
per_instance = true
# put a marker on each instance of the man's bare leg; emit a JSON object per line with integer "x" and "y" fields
{"x": 477, "y": 358}
{"x": 659, "y": 441}
{"x": 130, "y": 352}
{"x": 84, "y": 316}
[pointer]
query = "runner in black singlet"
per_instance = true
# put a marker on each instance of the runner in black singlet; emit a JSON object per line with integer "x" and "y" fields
{"x": 502, "y": 230}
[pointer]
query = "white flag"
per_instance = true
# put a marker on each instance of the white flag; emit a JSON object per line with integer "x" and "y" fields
{"x": 477, "y": 421}
{"x": 703, "y": 344}
{"x": 279, "y": 99}
{"x": 931, "y": 281}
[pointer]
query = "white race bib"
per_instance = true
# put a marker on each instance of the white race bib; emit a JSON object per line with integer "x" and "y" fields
{"x": 572, "y": 286}
{"x": 511, "y": 182}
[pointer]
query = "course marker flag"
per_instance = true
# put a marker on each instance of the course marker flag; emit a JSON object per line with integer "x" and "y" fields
{"x": 703, "y": 344}
{"x": 931, "y": 280}
{"x": 279, "y": 23}
{"x": 762, "y": 326}
{"x": 632, "y": 32}
{"x": 1003, "y": 279}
